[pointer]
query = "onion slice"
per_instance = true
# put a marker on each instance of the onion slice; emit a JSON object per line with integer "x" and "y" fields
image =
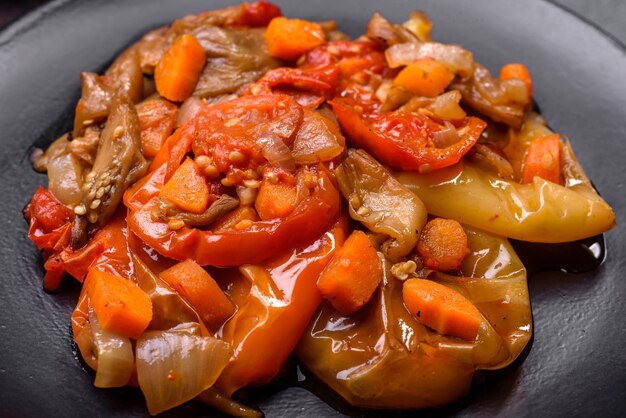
{"x": 114, "y": 352}
{"x": 458, "y": 60}
{"x": 188, "y": 110}
{"x": 318, "y": 139}
{"x": 276, "y": 152}
{"x": 446, "y": 137}
{"x": 65, "y": 179}
{"x": 446, "y": 106}
{"x": 175, "y": 366}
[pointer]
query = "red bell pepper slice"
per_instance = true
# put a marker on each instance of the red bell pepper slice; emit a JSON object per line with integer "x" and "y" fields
{"x": 262, "y": 240}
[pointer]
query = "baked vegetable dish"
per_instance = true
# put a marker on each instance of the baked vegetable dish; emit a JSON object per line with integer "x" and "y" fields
{"x": 241, "y": 188}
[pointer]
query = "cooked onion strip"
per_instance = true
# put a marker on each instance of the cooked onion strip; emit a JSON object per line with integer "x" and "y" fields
{"x": 458, "y": 60}
{"x": 175, "y": 366}
{"x": 114, "y": 353}
{"x": 276, "y": 151}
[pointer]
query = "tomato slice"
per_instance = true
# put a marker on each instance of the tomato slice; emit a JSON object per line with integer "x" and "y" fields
{"x": 46, "y": 214}
{"x": 404, "y": 140}
{"x": 303, "y": 84}
{"x": 258, "y": 14}
{"x": 337, "y": 51}
{"x": 219, "y": 129}
{"x": 235, "y": 125}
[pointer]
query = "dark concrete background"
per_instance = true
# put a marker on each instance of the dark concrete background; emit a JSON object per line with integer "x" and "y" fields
{"x": 609, "y": 15}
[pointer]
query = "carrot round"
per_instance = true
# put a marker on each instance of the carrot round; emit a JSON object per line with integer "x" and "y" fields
{"x": 289, "y": 38}
{"x": 197, "y": 286}
{"x": 442, "y": 245}
{"x": 519, "y": 71}
{"x": 156, "y": 122}
{"x": 425, "y": 77}
{"x": 119, "y": 304}
{"x": 352, "y": 276}
{"x": 187, "y": 188}
{"x": 543, "y": 159}
{"x": 275, "y": 199}
{"x": 178, "y": 71}
{"x": 441, "y": 308}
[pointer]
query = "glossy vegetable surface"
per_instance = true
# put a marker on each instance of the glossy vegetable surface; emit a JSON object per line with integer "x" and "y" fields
{"x": 119, "y": 304}
{"x": 540, "y": 211}
{"x": 275, "y": 301}
{"x": 235, "y": 140}
{"x": 384, "y": 357}
{"x": 179, "y": 69}
{"x": 353, "y": 274}
{"x": 255, "y": 243}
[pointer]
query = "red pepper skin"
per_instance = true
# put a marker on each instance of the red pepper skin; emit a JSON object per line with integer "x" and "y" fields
{"x": 273, "y": 311}
{"x": 264, "y": 239}
{"x": 49, "y": 220}
{"x": 310, "y": 86}
{"x": 402, "y": 140}
{"x": 50, "y": 229}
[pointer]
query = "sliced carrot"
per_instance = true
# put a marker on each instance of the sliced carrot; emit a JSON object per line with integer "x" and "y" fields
{"x": 275, "y": 199}
{"x": 197, "y": 286}
{"x": 441, "y": 308}
{"x": 519, "y": 71}
{"x": 351, "y": 277}
{"x": 187, "y": 188}
{"x": 289, "y": 38}
{"x": 178, "y": 71}
{"x": 119, "y": 304}
{"x": 425, "y": 77}
{"x": 237, "y": 218}
{"x": 543, "y": 159}
{"x": 156, "y": 121}
{"x": 443, "y": 245}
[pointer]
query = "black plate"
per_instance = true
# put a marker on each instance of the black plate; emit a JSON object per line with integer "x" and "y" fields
{"x": 577, "y": 364}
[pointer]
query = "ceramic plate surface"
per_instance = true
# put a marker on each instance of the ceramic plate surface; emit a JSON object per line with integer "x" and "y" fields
{"x": 577, "y": 363}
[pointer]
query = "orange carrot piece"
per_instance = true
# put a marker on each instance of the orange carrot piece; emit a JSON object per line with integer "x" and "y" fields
{"x": 543, "y": 159}
{"x": 443, "y": 245}
{"x": 156, "y": 121}
{"x": 425, "y": 77}
{"x": 178, "y": 71}
{"x": 351, "y": 277}
{"x": 187, "y": 188}
{"x": 234, "y": 218}
{"x": 119, "y": 304}
{"x": 441, "y": 308}
{"x": 197, "y": 286}
{"x": 275, "y": 200}
{"x": 519, "y": 71}
{"x": 289, "y": 38}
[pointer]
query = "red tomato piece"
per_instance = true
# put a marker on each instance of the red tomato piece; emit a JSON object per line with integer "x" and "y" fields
{"x": 234, "y": 126}
{"x": 258, "y": 14}
{"x": 45, "y": 210}
{"x": 318, "y": 81}
{"x": 403, "y": 140}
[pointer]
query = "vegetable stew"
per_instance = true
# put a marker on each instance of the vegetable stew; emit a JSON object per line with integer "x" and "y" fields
{"x": 241, "y": 188}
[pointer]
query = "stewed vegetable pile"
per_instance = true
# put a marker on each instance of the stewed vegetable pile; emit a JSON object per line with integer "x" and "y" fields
{"x": 240, "y": 187}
